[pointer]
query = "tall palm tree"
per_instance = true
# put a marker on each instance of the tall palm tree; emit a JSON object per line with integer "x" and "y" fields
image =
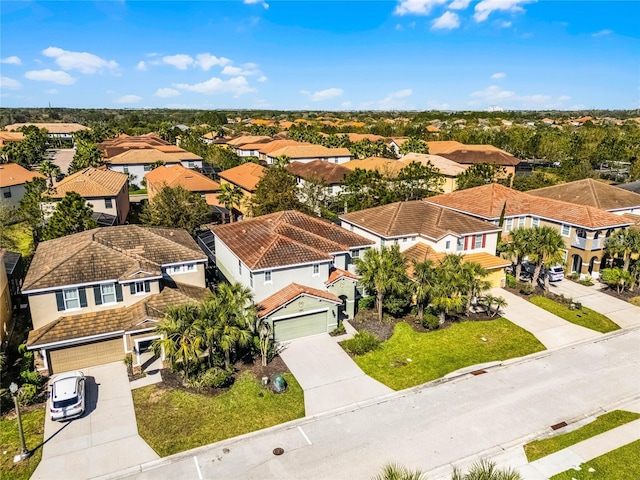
{"x": 624, "y": 243}
{"x": 230, "y": 197}
{"x": 548, "y": 246}
{"x": 447, "y": 294}
{"x": 181, "y": 342}
{"x": 473, "y": 279}
{"x": 49, "y": 170}
{"x": 423, "y": 278}
{"x": 517, "y": 247}
{"x": 486, "y": 470}
{"x": 395, "y": 471}
{"x": 382, "y": 272}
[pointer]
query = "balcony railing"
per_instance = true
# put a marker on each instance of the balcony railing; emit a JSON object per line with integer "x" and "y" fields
{"x": 579, "y": 242}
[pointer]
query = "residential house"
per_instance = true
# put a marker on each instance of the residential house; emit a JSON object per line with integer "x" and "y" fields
{"x": 396, "y": 142}
{"x": 97, "y": 295}
{"x": 177, "y": 175}
{"x": 137, "y": 162}
{"x": 62, "y": 131}
{"x": 12, "y": 180}
{"x": 10, "y": 137}
{"x": 423, "y": 230}
{"x": 264, "y": 150}
{"x": 331, "y": 174}
{"x": 468, "y": 155}
{"x": 448, "y": 168}
{"x": 246, "y": 178}
{"x": 583, "y": 227}
{"x": 236, "y": 143}
{"x": 385, "y": 166}
{"x": 106, "y": 191}
{"x": 309, "y": 153}
{"x": 299, "y": 269}
{"x": 358, "y": 137}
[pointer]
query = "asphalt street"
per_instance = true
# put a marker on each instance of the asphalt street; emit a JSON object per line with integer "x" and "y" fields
{"x": 429, "y": 426}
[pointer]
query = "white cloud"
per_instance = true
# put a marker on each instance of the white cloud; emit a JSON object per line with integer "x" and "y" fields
{"x": 459, "y": 4}
{"x": 346, "y": 104}
{"x": 9, "y": 83}
{"x": 448, "y": 21}
{"x": 506, "y": 24}
{"x": 395, "y": 99}
{"x": 57, "y": 76}
{"x": 262, "y": 79}
{"x": 141, "y": 65}
{"x": 13, "y": 60}
{"x": 166, "y": 93}
{"x": 602, "y": 33}
{"x": 247, "y": 70}
{"x": 256, "y": 2}
{"x": 499, "y": 75}
{"x": 416, "y": 7}
{"x": 238, "y": 86}
{"x": 493, "y": 94}
{"x": 128, "y": 99}
{"x": 181, "y": 62}
{"x": 323, "y": 94}
{"x": 435, "y": 105}
{"x": 206, "y": 61}
{"x": 51, "y": 91}
{"x": 564, "y": 98}
{"x": 484, "y": 8}
{"x": 84, "y": 62}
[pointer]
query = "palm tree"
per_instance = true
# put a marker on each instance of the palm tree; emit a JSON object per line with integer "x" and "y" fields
{"x": 489, "y": 301}
{"x": 548, "y": 246}
{"x": 624, "y": 243}
{"x": 473, "y": 278}
{"x": 263, "y": 331}
{"x": 281, "y": 161}
{"x": 230, "y": 197}
{"x": 486, "y": 470}
{"x": 423, "y": 277}
{"x": 395, "y": 471}
{"x": 447, "y": 294}
{"x": 49, "y": 170}
{"x": 181, "y": 342}
{"x": 517, "y": 247}
{"x": 382, "y": 272}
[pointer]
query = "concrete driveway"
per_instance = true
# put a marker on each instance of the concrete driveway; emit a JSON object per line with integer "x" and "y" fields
{"x": 328, "y": 376}
{"x": 104, "y": 439}
{"x": 552, "y": 331}
{"x": 619, "y": 311}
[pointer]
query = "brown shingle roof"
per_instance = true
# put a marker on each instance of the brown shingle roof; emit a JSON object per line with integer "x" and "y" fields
{"x": 288, "y": 294}
{"x": 109, "y": 253}
{"x": 177, "y": 175}
{"x": 416, "y": 218}
{"x": 310, "y": 151}
{"x": 469, "y": 157}
{"x": 285, "y": 238}
{"x": 329, "y": 173}
{"x": 487, "y": 202}
{"x": 245, "y": 176}
{"x": 591, "y": 192}
{"x": 13, "y": 174}
{"x": 51, "y": 127}
{"x": 90, "y": 182}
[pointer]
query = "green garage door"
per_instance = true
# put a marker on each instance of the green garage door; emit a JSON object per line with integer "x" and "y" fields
{"x": 300, "y": 326}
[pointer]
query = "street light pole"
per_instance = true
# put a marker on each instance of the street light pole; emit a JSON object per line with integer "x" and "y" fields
{"x": 25, "y": 453}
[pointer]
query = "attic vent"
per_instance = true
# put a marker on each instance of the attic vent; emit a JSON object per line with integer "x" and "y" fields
{"x": 244, "y": 231}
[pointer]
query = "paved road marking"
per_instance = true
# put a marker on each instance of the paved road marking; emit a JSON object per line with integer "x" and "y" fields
{"x": 304, "y": 435}
{"x": 195, "y": 459}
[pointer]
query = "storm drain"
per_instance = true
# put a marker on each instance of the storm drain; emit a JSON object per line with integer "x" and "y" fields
{"x": 478, "y": 372}
{"x": 558, "y": 425}
{"x": 278, "y": 451}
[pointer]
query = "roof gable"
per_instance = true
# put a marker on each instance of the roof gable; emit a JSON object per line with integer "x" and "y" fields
{"x": 590, "y": 192}
{"x": 245, "y": 176}
{"x": 90, "y": 182}
{"x": 288, "y": 294}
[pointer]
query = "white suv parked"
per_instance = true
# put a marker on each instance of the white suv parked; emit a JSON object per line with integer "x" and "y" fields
{"x": 66, "y": 400}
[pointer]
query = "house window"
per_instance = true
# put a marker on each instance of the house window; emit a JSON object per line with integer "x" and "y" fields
{"x": 521, "y": 222}
{"x": 478, "y": 242}
{"x": 139, "y": 286}
{"x": 181, "y": 269}
{"x": 316, "y": 270}
{"x": 447, "y": 245}
{"x": 351, "y": 228}
{"x": 192, "y": 164}
{"x": 267, "y": 277}
{"x": 251, "y": 279}
{"x": 356, "y": 254}
{"x": 6, "y": 192}
{"x": 508, "y": 225}
{"x": 566, "y": 230}
{"x": 459, "y": 244}
{"x": 71, "y": 299}
{"x": 147, "y": 168}
{"x": 125, "y": 169}
{"x": 535, "y": 222}
{"x": 108, "y": 293}
{"x": 329, "y": 190}
{"x": 382, "y": 242}
{"x": 108, "y": 203}
{"x": 404, "y": 240}
{"x": 240, "y": 267}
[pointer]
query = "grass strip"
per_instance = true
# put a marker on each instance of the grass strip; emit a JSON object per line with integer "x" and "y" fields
{"x": 620, "y": 464}
{"x": 584, "y": 316}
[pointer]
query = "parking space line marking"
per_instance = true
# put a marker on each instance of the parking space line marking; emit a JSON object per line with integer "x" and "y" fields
{"x": 195, "y": 459}
{"x": 304, "y": 435}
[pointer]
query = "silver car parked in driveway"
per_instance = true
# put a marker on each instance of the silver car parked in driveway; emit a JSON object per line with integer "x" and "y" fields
{"x": 67, "y": 396}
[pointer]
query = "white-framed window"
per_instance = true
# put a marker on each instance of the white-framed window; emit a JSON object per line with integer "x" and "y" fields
{"x": 191, "y": 164}
{"x": 508, "y": 224}
{"x": 125, "y": 169}
{"x": 267, "y": 277}
{"x": 447, "y": 245}
{"x": 404, "y": 240}
{"x": 478, "y": 242}
{"x": 147, "y": 168}
{"x": 413, "y": 239}
{"x": 383, "y": 242}
{"x": 181, "y": 268}
{"x": 139, "y": 288}
{"x": 316, "y": 269}
{"x": 535, "y": 222}
{"x": 459, "y": 244}
{"x": 108, "y": 293}
{"x": 356, "y": 254}
{"x": 71, "y": 299}
{"x": 251, "y": 279}
{"x": 566, "y": 230}
{"x": 351, "y": 228}
{"x": 521, "y": 222}
{"x": 240, "y": 267}
{"x": 108, "y": 203}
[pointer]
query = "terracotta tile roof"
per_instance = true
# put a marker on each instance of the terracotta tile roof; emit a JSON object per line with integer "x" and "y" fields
{"x": 142, "y": 156}
{"x": 383, "y": 165}
{"x": 421, "y": 252}
{"x": 108, "y": 253}
{"x": 90, "y": 182}
{"x": 245, "y": 139}
{"x": 432, "y": 129}
{"x": 129, "y": 140}
{"x": 591, "y": 192}
{"x": 336, "y": 274}
{"x": 117, "y": 320}
{"x": 288, "y": 294}
{"x": 51, "y": 127}
{"x": 416, "y": 218}
{"x": 398, "y": 140}
{"x": 14, "y": 174}
{"x": 447, "y": 167}
{"x": 471, "y": 156}
{"x": 6, "y": 137}
{"x": 267, "y": 148}
{"x": 329, "y": 173}
{"x": 358, "y": 137}
{"x": 177, "y": 175}
{"x": 285, "y": 238}
{"x": 487, "y": 202}
{"x": 310, "y": 151}
{"x": 450, "y": 146}
{"x": 246, "y": 176}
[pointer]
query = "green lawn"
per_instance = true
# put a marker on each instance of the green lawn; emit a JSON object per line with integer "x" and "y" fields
{"x": 172, "y": 421}
{"x": 620, "y": 464}
{"x": 434, "y": 354}
{"x": 541, "y": 448}
{"x": 584, "y": 317}
{"x": 33, "y": 425}
{"x": 21, "y": 237}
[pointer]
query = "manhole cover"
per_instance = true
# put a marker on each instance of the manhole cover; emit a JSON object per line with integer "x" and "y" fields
{"x": 278, "y": 451}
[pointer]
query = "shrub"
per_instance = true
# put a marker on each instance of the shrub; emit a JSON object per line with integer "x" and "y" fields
{"x": 511, "y": 281}
{"x": 430, "y": 321}
{"x": 30, "y": 377}
{"x": 339, "y": 330}
{"x": 525, "y": 288}
{"x": 587, "y": 281}
{"x": 211, "y": 378}
{"x": 362, "y": 342}
{"x": 635, "y": 301}
{"x": 573, "y": 276}
{"x": 27, "y": 394}
{"x": 366, "y": 303}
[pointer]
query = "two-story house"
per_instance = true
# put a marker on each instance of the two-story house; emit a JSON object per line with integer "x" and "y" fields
{"x": 299, "y": 268}
{"x": 332, "y": 175}
{"x": 12, "y": 180}
{"x": 55, "y": 130}
{"x": 96, "y": 296}
{"x": 246, "y": 178}
{"x": 179, "y": 176}
{"x": 106, "y": 191}
{"x": 422, "y": 230}
{"x": 309, "y": 153}
{"x": 584, "y": 228}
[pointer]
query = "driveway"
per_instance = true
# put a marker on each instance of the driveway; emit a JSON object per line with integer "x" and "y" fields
{"x": 328, "y": 376}
{"x": 104, "y": 439}
{"x": 619, "y": 311}
{"x": 552, "y": 331}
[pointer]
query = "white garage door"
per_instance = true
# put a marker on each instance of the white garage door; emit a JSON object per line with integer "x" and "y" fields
{"x": 298, "y": 327}
{"x": 86, "y": 355}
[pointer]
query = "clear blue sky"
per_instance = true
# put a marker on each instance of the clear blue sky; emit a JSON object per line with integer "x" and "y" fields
{"x": 321, "y": 55}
